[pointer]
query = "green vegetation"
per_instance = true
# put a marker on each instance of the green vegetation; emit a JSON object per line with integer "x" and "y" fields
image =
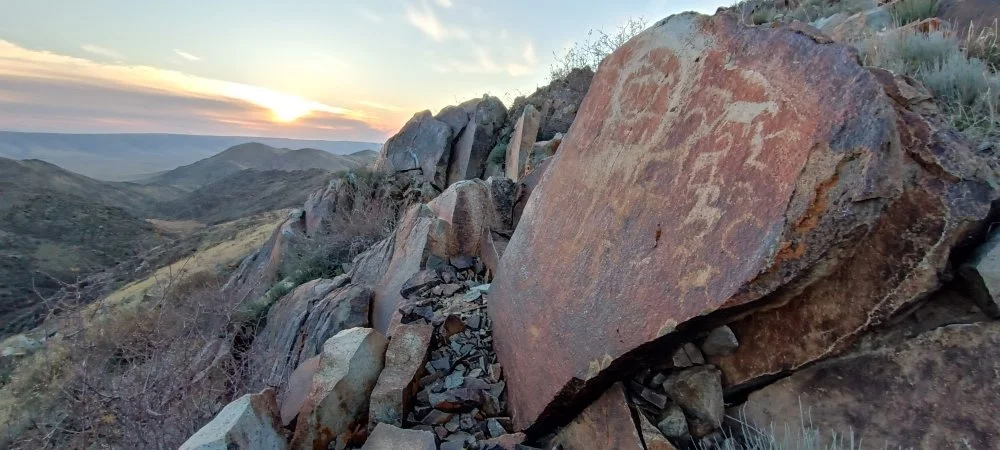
{"x": 966, "y": 89}
{"x": 595, "y": 48}
{"x": 908, "y": 11}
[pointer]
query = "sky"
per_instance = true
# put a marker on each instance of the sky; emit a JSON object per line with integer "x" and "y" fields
{"x": 306, "y": 69}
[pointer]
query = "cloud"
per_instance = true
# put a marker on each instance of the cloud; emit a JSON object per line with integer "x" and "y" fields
{"x": 46, "y": 91}
{"x": 484, "y": 63}
{"x": 444, "y": 3}
{"x": 529, "y": 53}
{"x": 370, "y": 15}
{"x": 425, "y": 20}
{"x": 382, "y": 106}
{"x": 186, "y": 55}
{"x": 101, "y": 51}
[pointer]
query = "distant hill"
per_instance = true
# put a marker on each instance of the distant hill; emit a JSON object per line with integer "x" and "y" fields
{"x": 246, "y": 193}
{"x": 257, "y": 156}
{"x": 121, "y": 157}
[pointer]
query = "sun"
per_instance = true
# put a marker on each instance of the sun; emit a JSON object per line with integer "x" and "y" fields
{"x": 289, "y": 111}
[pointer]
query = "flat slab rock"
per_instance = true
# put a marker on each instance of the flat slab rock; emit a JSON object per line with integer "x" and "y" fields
{"x": 248, "y": 423}
{"x": 606, "y": 423}
{"x": 936, "y": 391}
{"x": 715, "y": 165}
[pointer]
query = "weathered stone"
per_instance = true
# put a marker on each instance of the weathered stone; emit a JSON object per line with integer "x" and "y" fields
{"x": 477, "y": 139}
{"x": 418, "y": 234}
{"x": 299, "y": 324}
{"x": 982, "y": 276}
{"x": 505, "y": 442}
{"x": 467, "y": 210}
{"x": 503, "y": 193}
{"x": 370, "y": 266}
{"x": 936, "y": 391}
{"x": 297, "y": 390}
{"x": 494, "y": 427}
{"x": 861, "y": 25}
{"x": 651, "y": 436}
{"x": 698, "y": 390}
{"x": 491, "y": 248}
{"x": 424, "y": 279}
{"x": 557, "y": 103}
{"x": 525, "y": 133}
{"x": 334, "y": 413}
{"x": 423, "y": 143}
{"x": 258, "y": 271}
{"x": 700, "y": 180}
{"x": 392, "y": 397}
{"x": 248, "y": 423}
{"x": 526, "y": 187}
{"x": 720, "y": 341}
{"x": 457, "y": 399}
{"x": 388, "y": 437}
{"x": 657, "y": 399}
{"x": 436, "y": 417}
{"x": 694, "y": 355}
{"x": 672, "y": 422}
{"x": 541, "y": 151}
{"x": 606, "y": 423}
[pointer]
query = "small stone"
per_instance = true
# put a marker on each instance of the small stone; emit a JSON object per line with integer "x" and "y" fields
{"x": 474, "y": 321}
{"x": 441, "y": 432}
{"x": 437, "y": 291}
{"x": 386, "y": 436}
{"x": 720, "y": 341}
{"x": 468, "y": 422}
{"x": 454, "y": 380}
{"x": 453, "y": 325}
{"x": 494, "y": 428}
{"x": 463, "y": 262}
{"x": 698, "y": 390}
{"x": 452, "y": 445}
{"x": 657, "y": 380}
{"x": 656, "y": 398}
{"x": 436, "y": 417}
{"x": 672, "y": 422}
{"x": 694, "y": 354}
{"x": 454, "y": 424}
{"x": 680, "y": 359}
{"x": 424, "y": 279}
{"x": 450, "y": 289}
{"x": 442, "y": 363}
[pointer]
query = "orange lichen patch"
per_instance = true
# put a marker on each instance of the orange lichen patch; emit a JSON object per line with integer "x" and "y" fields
{"x": 789, "y": 251}
{"x": 810, "y": 219}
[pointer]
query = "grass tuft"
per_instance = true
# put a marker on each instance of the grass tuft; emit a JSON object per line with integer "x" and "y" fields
{"x": 908, "y": 11}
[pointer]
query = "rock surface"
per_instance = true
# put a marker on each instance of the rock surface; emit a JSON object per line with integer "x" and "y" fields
{"x": 521, "y": 142}
{"x": 930, "y": 392}
{"x": 982, "y": 276}
{"x": 686, "y": 111}
{"x": 392, "y": 397}
{"x": 467, "y": 209}
{"x": 424, "y": 143}
{"x": 299, "y": 324}
{"x": 388, "y": 437}
{"x": 477, "y": 139}
{"x": 248, "y": 423}
{"x": 334, "y": 413}
{"x": 557, "y": 103}
{"x": 698, "y": 391}
{"x": 606, "y": 423}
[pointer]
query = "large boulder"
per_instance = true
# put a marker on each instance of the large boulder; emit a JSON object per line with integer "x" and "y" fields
{"x": 334, "y": 413}
{"x": 258, "y": 271}
{"x": 299, "y": 324}
{"x": 557, "y": 103}
{"x": 248, "y": 423}
{"x": 521, "y": 142}
{"x": 715, "y": 169}
{"x": 423, "y": 143}
{"x": 404, "y": 363}
{"x": 467, "y": 209}
{"x": 476, "y": 139}
{"x": 936, "y": 391}
{"x": 606, "y": 423}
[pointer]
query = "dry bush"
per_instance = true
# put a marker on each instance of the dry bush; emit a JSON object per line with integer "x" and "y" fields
{"x": 984, "y": 44}
{"x": 595, "y": 48}
{"x": 145, "y": 375}
{"x": 908, "y": 11}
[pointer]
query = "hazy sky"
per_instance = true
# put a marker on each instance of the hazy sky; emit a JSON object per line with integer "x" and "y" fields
{"x": 295, "y": 68}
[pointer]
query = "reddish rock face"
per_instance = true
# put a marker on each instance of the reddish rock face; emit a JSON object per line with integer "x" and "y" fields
{"x": 713, "y": 166}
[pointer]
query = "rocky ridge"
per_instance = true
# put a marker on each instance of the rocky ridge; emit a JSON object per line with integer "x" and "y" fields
{"x": 767, "y": 232}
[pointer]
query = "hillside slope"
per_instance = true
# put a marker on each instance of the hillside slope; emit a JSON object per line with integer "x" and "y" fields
{"x": 256, "y": 156}
{"x": 120, "y": 157}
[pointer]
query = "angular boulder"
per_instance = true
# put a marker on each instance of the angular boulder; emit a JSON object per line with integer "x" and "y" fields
{"x": 521, "y": 142}
{"x": 388, "y": 437}
{"x": 935, "y": 391}
{"x": 248, "y": 423}
{"x": 467, "y": 209}
{"x": 297, "y": 390}
{"x": 334, "y": 413}
{"x": 606, "y": 423}
{"x": 424, "y": 143}
{"x": 404, "y": 363}
{"x": 299, "y": 324}
{"x": 557, "y": 103}
{"x": 526, "y": 187}
{"x": 476, "y": 140}
{"x": 716, "y": 168}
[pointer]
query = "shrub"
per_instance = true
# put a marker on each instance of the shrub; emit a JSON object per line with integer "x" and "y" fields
{"x": 907, "y": 11}
{"x": 966, "y": 89}
{"x": 983, "y": 45}
{"x": 813, "y": 10}
{"x": 595, "y": 48}
{"x": 145, "y": 375}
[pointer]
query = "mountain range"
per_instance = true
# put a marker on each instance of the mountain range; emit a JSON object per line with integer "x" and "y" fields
{"x": 123, "y": 157}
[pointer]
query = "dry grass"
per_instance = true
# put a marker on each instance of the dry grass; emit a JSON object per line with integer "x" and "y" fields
{"x": 598, "y": 45}
{"x": 908, "y": 11}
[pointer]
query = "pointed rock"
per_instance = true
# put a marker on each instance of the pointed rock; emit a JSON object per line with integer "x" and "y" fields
{"x": 423, "y": 143}
{"x": 248, "y": 423}
{"x": 336, "y": 409}
{"x": 606, "y": 423}
{"x": 392, "y": 397}
{"x": 525, "y": 133}
{"x": 698, "y": 390}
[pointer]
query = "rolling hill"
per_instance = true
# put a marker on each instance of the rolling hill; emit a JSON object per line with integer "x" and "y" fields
{"x": 256, "y": 156}
{"x": 122, "y": 157}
